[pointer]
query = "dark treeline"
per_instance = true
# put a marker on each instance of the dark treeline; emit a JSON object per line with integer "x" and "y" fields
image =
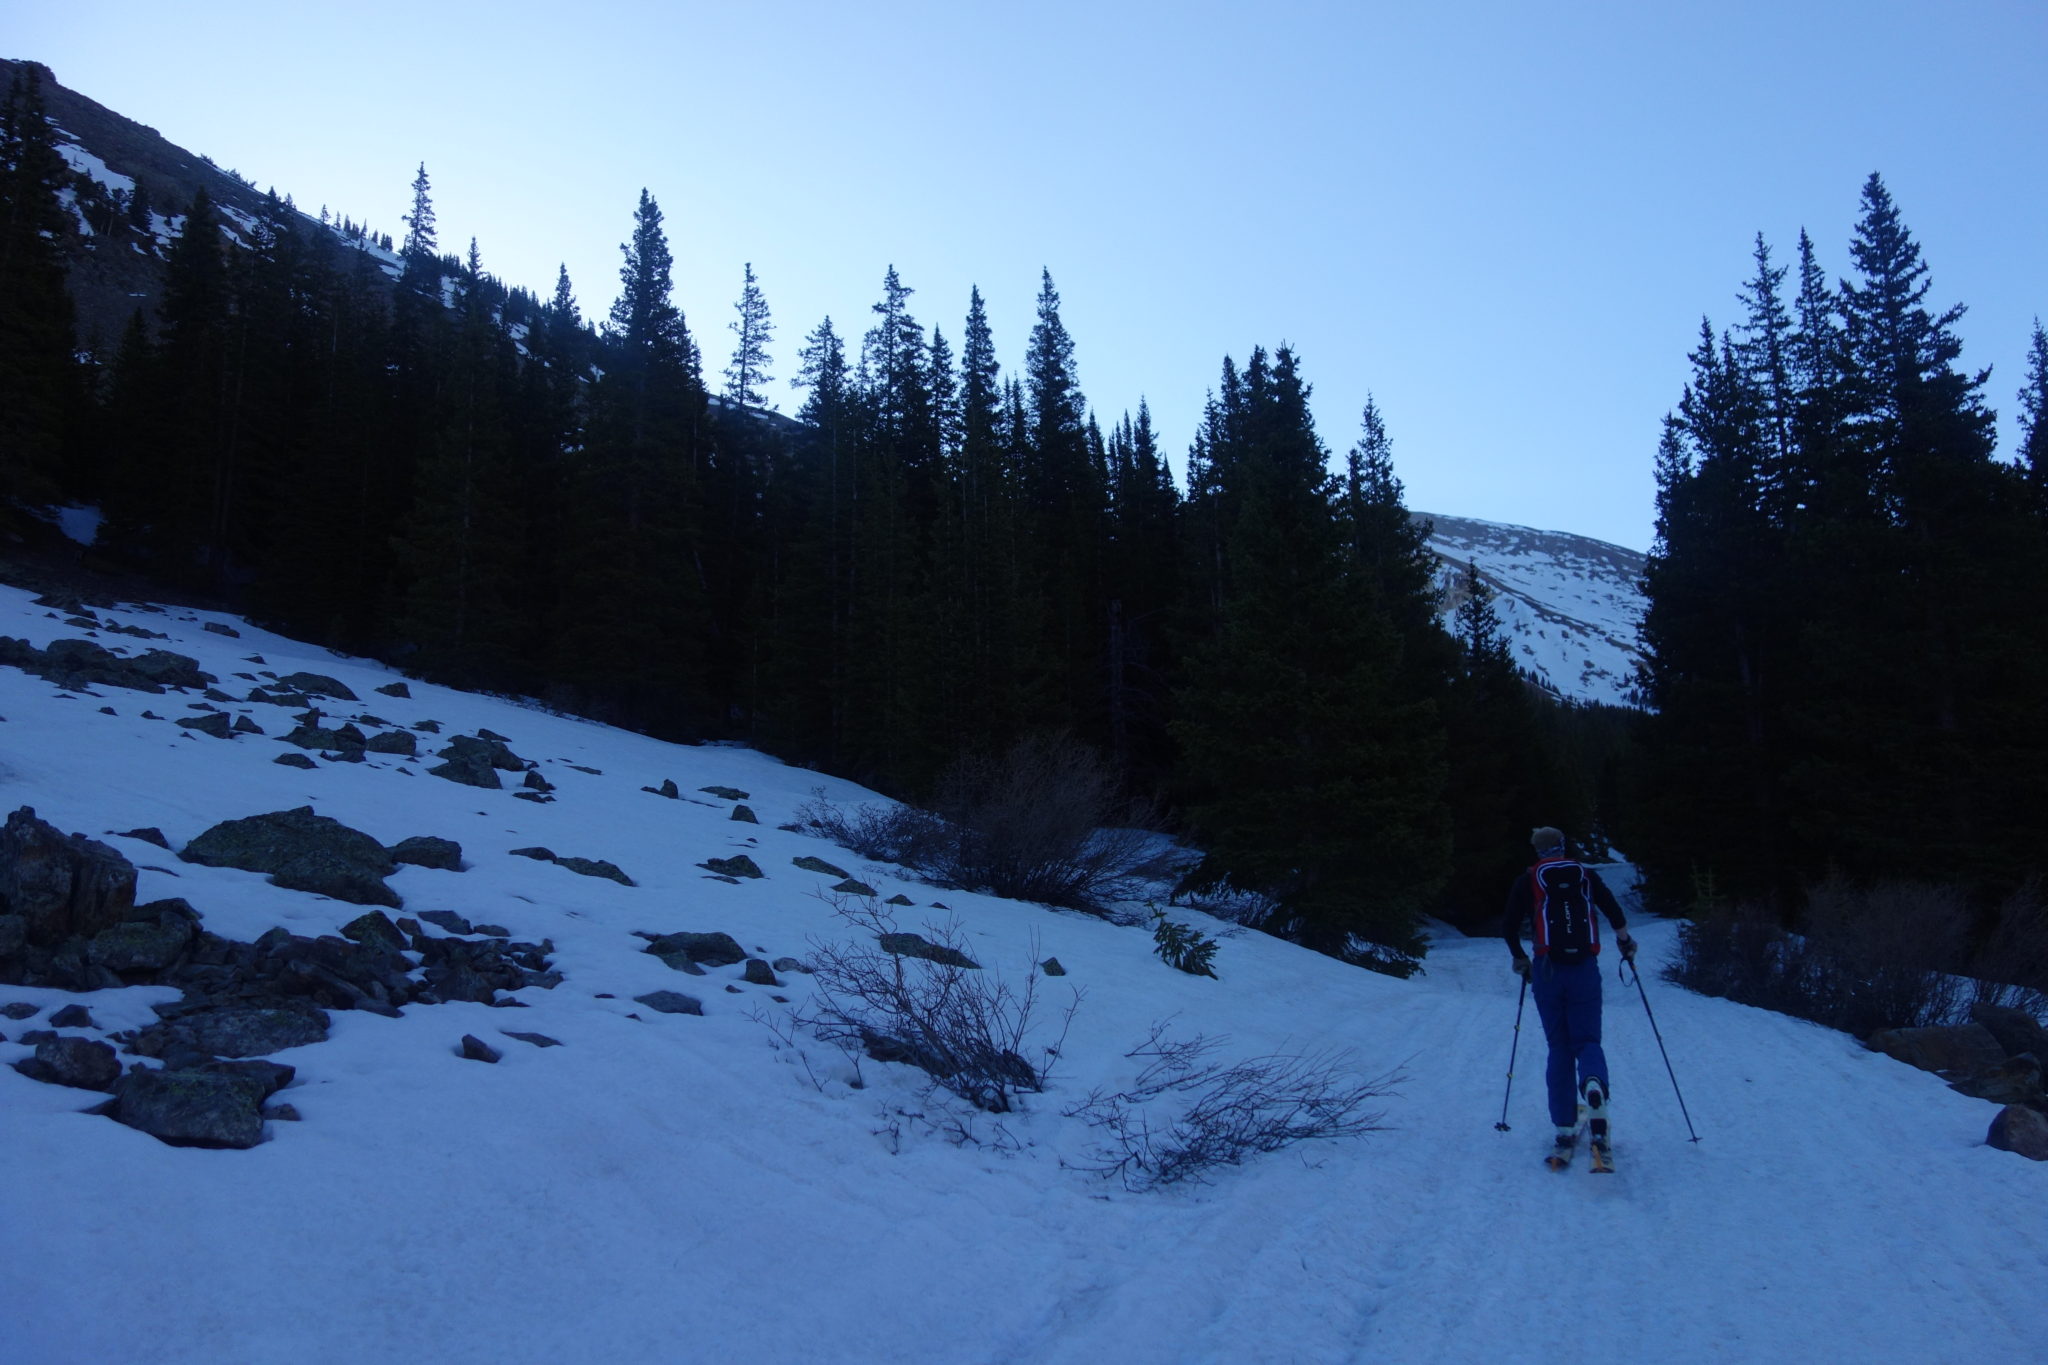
{"x": 933, "y": 560}
{"x": 1848, "y": 627}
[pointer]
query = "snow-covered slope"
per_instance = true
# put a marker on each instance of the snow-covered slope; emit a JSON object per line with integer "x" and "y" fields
{"x": 1572, "y": 604}
{"x": 671, "y": 1188}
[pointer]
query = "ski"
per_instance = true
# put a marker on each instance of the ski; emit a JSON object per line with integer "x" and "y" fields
{"x": 1603, "y": 1159}
{"x": 1560, "y": 1156}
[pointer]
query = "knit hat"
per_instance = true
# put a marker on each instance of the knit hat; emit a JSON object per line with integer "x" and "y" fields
{"x": 1544, "y": 839}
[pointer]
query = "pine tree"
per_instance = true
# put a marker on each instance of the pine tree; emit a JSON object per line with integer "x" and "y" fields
{"x": 2034, "y": 419}
{"x": 1319, "y": 787}
{"x": 41, "y": 394}
{"x": 421, "y": 250}
{"x": 747, "y": 373}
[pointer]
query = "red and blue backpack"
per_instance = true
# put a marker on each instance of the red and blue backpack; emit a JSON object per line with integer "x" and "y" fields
{"x": 1561, "y": 913}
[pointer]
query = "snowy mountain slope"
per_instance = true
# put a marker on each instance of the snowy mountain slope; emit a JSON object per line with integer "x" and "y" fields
{"x": 671, "y": 1188}
{"x": 1572, "y": 604}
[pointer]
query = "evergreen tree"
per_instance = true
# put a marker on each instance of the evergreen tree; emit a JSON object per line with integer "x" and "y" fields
{"x": 747, "y": 372}
{"x": 421, "y": 250}
{"x": 2034, "y": 419}
{"x": 1318, "y": 785}
{"x": 41, "y": 394}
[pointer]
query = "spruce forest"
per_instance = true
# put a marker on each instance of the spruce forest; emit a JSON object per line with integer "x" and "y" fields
{"x": 935, "y": 560}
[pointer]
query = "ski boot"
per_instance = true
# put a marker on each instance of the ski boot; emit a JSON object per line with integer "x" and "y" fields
{"x": 1599, "y": 1137}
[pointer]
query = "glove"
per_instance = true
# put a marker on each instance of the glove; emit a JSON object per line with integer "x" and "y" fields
{"x": 1521, "y": 967}
{"x": 1627, "y": 946}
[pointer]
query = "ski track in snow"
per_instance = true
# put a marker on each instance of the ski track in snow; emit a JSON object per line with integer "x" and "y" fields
{"x": 674, "y": 1189}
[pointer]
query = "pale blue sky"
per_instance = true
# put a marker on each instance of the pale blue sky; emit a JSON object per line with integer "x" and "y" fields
{"x": 1504, "y": 220}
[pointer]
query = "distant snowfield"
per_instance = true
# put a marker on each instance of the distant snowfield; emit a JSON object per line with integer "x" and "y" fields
{"x": 1572, "y": 605}
{"x": 674, "y": 1188}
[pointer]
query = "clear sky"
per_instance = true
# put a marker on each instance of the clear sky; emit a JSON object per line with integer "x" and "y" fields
{"x": 1503, "y": 220}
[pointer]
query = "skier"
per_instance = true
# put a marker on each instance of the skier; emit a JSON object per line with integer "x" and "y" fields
{"x": 1558, "y": 896}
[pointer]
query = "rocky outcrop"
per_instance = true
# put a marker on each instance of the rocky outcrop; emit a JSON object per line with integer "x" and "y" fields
{"x": 739, "y": 865}
{"x": 918, "y": 946}
{"x": 192, "y": 1108}
{"x": 60, "y": 886}
{"x": 712, "y": 949}
{"x": 76, "y": 665}
{"x": 317, "y": 685}
{"x": 476, "y": 760}
{"x": 302, "y": 852}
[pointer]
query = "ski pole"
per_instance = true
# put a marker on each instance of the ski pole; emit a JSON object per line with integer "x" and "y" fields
{"x": 1513, "y": 1047}
{"x": 1660, "y": 1048}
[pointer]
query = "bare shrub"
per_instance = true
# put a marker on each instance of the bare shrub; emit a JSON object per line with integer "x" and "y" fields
{"x": 1044, "y": 822}
{"x": 1868, "y": 958}
{"x": 2010, "y": 966}
{"x": 962, "y": 1025}
{"x": 1188, "y": 1113}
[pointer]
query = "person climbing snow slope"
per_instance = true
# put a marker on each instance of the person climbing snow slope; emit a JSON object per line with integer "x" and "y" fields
{"x": 1557, "y": 897}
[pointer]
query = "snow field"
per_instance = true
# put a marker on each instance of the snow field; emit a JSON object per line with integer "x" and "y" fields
{"x": 675, "y": 1188}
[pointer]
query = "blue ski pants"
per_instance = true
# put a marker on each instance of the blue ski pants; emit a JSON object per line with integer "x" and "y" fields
{"x": 1568, "y": 1003}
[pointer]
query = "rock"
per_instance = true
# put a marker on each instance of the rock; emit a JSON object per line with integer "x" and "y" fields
{"x": 317, "y": 685}
{"x": 713, "y": 949}
{"x": 898, "y": 899}
{"x": 916, "y": 945}
{"x": 79, "y": 664}
{"x": 538, "y": 853}
{"x": 2016, "y": 1030}
{"x": 144, "y": 946}
{"x": 538, "y": 798}
{"x": 428, "y": 727}
{"x": 470, "y": 770}
{"x": 595, "y": 867}
{"x": 745, "y": 816}
{"x": 447, "y": 919}
{"x": 283, "y": 1113}
{"x": 192, "y": 1108}
{"x": 1958, "y": 1050}
{"x": 425, "y": 850}
{"x": 759, "y": 973}
{"x": 477, "y": 1050}
{"x": 62, "y": 886}
{"x": 2016, "y": 1080}
{"x": 667, "y": 788}
{"x": 851, "y": 887}
{"x": 73, "y": 1016}
{"x": 245, "y": 726}
{"x": 671, "y": 1002}
{"x": 725, "y": 793}
{"x": 821, "y": 867}
{"x": 533, "y": 781}
{"x": 396, "y": 689}
{"x": 272, "y": 1076}
{"x": 537, "y": 1039}
{"x": 19, "y": 1009}
{"x": 494, "y": 931}
{"x": 2021, "y": 1130}
{"x": 302, "y": 852}
{"x": 345, "y": 740}
{"x": 740, "y": 866}
{"x": 493, "y": 736}
{"x": 374, "y": 927}
{"x": 206, "y": 723}
{"x": 295, "y": 761}
{"x": 401, "y": 742}
{"x": 681, "y": 962}
{"x": 1051, "y": 967}
{"x": 149, "y": 834}
{"x": 77, "y": 1062}
{"x": 790, "y": 964}
{"x": 238, "y": 1030}
{"x": 216, "y": 628}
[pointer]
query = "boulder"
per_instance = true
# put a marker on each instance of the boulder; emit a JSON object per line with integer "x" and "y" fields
{"x": 595, "y": 867}
{"x": 217, "y": 628}
{"x": 62, "y": 886}
{"x": 667, "y": 788}
{"x": 396, "y": 689}
{"x": 237, "y": 1030}
{"x": 77, "y": 1062}
{"x": 537, "y": 1039}
{"x": 1051, "y": 967}
{"x": 2021, "y": 1130}
{"x": 715, "y": 949}
{"x": 745, "y": 815}
{"x": 759, "y": 973}
{"x": 671, "y": 1002}
{"x": 425, "y": 850}
{"x": 1956, "y": 1050}
{"x": 346, "y": 739}
{"x": 537, "y": 853}
{"x": 73, "y": 1016}
{"x": 790, "y": 964}
{"x": 899, "y": 899}
{"x": 192, "y": 1108}
{"x": 148, "y": 834}
{"x": 317, "y": 685}
{"x": 725, "y": 793}
{"x": 401, "y": 742}
{"x": 477, "y": 1050}
{"x": 211, "y": 723}
{"x": 2016, "y": 1080}
{"x": 447, "y": 919}
{"x": 295, "y": 761}
{"x": 852, "y": 887}
{"x": 2016, "y": 1030}
{"x": 151, "y": 939}
{"x": 916, "y": 945}
{"x": 739, "y": 866}
{"x": 821, "y": 867}
{"x": 245, "y": 726}
{"x": 302, "y": 852}
{"x": 374, "y": 927}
